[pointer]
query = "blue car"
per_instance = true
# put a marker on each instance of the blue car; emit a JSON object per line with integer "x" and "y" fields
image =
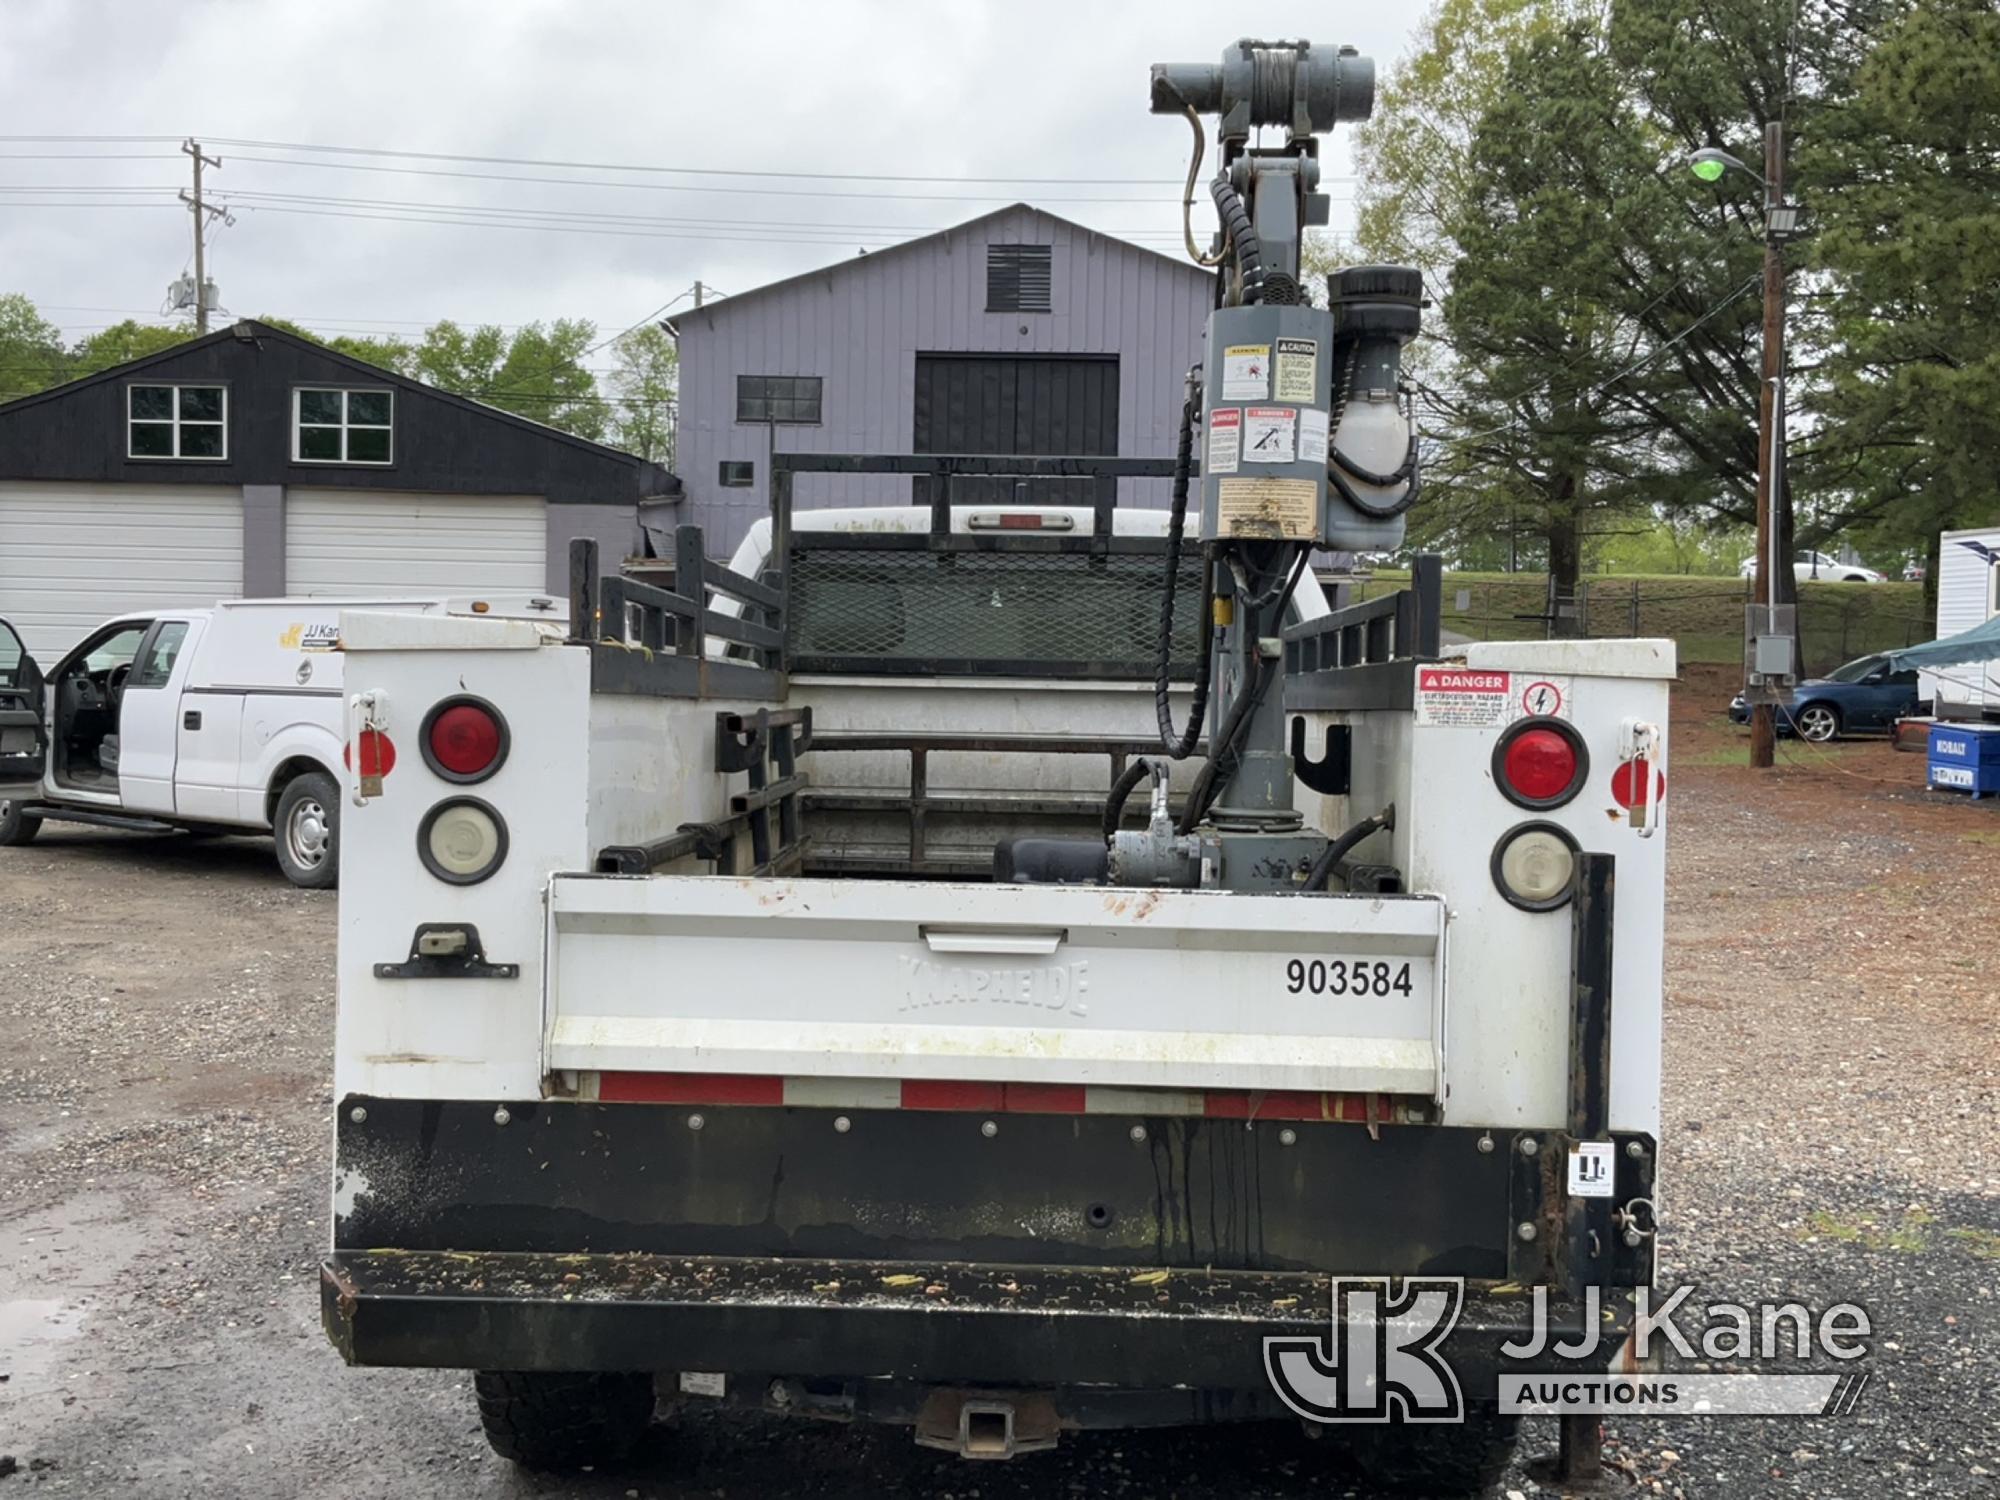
{"x": 1863, "y": 697}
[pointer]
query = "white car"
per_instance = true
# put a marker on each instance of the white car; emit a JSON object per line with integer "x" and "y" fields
{"x": 1817, "y": 567}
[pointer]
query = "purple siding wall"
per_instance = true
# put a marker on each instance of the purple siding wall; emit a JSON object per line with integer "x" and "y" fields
{"x": 860, "y": 325}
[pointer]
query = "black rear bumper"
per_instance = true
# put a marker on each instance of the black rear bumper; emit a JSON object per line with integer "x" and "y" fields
{"x": 941, "y": 1323}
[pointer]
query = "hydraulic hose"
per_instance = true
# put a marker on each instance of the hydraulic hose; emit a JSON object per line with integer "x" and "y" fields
{"x": 1179, "y": 743}
{"x": 1336, "y": 851}
{"x": 1242, "y": 236}
{"x": 1339, "y": 468}
{"x": 1222, "y": 755}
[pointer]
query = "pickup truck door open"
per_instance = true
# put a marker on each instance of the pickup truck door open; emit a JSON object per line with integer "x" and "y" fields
{"x": 24, "y": 735}
{"x": 149, "y": 716}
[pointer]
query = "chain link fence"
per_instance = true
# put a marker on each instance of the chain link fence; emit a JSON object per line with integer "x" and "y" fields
{"x": 1704, "y": 616}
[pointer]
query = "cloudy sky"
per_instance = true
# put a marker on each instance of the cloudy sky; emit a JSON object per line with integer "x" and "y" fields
{"x": 560, "y": 95}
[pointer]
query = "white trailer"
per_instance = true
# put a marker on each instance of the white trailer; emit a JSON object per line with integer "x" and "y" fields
{"x": 1968, "y": 595}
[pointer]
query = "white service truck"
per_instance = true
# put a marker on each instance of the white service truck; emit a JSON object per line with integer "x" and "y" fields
{"x": 221, "y": 720}
{"x": 799, "y": 1004}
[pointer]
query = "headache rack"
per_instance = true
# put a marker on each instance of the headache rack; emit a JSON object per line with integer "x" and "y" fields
{"x": 1007, "y": 602}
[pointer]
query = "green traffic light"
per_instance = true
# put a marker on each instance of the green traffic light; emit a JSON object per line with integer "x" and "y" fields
{"x": 1708, "y": 169}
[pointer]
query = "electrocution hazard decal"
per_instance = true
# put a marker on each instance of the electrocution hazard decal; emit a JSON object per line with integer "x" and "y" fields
{"x": 1225, "y": 440}
{"x": 1246, "y": 372}
{"x": 1270, "y": 434}
{"x": 1469, "y": 698}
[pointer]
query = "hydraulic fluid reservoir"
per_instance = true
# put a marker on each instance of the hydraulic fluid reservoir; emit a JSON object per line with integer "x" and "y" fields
{"x": 1372, "y": 461}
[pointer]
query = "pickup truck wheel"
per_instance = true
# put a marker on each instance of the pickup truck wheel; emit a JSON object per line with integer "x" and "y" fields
{"x": 559, "y": 1420}
{"x": 16, "y": 827}
{"x": 306, "y": 829}
{"x": 1435, "y": 1458}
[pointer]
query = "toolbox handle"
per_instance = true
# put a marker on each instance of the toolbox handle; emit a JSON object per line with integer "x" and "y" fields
{"x": 1017, "y": 942}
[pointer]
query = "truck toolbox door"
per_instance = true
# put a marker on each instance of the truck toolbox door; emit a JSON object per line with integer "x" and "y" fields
{"x": 24, "y": 735}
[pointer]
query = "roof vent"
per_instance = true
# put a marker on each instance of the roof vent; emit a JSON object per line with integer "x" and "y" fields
{"x": 1017, "y": 278}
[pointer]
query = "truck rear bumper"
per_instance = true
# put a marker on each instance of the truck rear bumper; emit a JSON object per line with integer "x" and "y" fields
{"x": 948, "y": 1322}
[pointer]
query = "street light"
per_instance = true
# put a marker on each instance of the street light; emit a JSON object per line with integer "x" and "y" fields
{"x": 1712, "y": 163}
{"x": 1769, "y": 653}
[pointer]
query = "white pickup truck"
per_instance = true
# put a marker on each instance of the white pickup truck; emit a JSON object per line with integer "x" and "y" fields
{"x": 728, "y": 1035}
{"x": 222, "y": 720}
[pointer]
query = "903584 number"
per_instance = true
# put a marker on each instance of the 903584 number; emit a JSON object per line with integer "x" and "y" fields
{"x": 1347, "y": 976}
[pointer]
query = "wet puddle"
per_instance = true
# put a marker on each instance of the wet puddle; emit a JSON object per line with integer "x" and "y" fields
{"x": 30, "y": 1328}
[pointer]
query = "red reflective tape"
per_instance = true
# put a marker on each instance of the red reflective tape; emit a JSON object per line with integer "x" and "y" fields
{"x": 946, "y": 1093}
{"x": 1043, "y": 1098}
{"x": 1264, "y": 1106}
{"x": 690, "y": 1088}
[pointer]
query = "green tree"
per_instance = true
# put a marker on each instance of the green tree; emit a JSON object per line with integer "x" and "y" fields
{"x": 1908, "y": 200}
{"x": 539, "y": 373}
{"x": 458, "y": 359}
{"x": 124, "y": 341}
{"x": 31, "y": 349}
{"x": 1413, "y": 155}
{"x": 383, "y": 350}
{"x": 644, "y": 382}
{"x": 1560, "y": 175}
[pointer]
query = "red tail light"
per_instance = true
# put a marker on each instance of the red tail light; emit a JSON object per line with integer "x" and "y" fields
{"x": 1540, "y": 763}
{"x": 465, "y": 739}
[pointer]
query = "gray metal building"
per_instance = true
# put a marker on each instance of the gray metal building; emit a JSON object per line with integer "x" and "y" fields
{"x": 1016, "y": 332}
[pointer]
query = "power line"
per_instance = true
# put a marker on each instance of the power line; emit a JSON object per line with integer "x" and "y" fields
{"x": 690, "y": 187}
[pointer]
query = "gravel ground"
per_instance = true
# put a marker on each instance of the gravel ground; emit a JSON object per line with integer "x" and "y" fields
{"x": 165, "y": 1027}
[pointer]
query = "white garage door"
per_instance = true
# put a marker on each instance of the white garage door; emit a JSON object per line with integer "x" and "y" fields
{"x": 360, "y": 542}
{"x": 74, "y": 554}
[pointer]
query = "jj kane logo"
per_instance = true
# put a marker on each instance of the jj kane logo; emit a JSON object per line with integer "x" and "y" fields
{"x": 1380, "y": 1362}
{"x": 1383, "y": 1357}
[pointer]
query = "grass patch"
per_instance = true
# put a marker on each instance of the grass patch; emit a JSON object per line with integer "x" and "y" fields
{"x": 1980, "y": 838}
{"x": 1739, "y": 755}
{"x": 1983, "y": 1243}
{"x": 1908, "y": 1236}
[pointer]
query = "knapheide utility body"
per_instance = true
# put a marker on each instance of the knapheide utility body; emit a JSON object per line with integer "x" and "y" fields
{"x": 991, "y": 967}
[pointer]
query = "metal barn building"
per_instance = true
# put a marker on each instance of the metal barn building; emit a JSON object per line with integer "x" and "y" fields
{"x": 1017, "y": 332}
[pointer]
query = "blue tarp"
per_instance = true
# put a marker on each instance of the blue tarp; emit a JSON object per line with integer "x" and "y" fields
{"x": 1981, "y": 643}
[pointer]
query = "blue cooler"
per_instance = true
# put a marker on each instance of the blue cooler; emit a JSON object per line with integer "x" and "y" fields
{"x": 1965, "y": 758}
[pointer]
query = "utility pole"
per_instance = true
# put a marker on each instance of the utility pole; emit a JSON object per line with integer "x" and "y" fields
{"x": 1770, "y": 435}
{"x": 202, "y": 214}
{"x": 698, "y": 289}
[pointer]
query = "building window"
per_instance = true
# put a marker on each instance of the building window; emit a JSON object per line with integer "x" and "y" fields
{"x": 778, "y": 398}
{"x": 177, "y": 421}
{"x": 331, "y": 425}
{"x": 734, "y": 475}
{"x": 1017, "y": 278}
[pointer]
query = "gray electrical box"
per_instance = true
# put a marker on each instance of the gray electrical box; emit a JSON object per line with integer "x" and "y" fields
{"x": 1769, "y": 666}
